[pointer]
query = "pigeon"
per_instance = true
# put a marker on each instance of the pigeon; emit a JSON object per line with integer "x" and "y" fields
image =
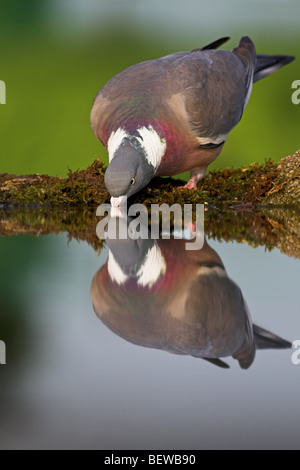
{"x": 157, "y": 294}
{"x": 165, "y": 116}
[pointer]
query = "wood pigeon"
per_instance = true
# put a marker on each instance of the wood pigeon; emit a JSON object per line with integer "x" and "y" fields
{"x": 166, "y": 116}
{"x": 159, "y": 295}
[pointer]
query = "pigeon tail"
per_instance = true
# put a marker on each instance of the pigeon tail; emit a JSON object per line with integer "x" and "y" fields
{"x": 268, "y": 64}
{"x": 266, "y": 340}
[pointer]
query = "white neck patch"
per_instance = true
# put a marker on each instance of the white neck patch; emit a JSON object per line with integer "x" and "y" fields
{"x": 153, "y": 145}
{"x": 115, "y": 271}
{"x": 153, "y": 268}
{"x": 114, "y": 142}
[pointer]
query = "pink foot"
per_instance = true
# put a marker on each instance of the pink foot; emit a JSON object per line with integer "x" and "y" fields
{"x": 189, "y": 185}
{"x": 192, "y": 227}
{"x": 192, "y": 184}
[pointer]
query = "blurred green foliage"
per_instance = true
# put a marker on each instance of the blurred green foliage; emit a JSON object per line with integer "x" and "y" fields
{"x": 51, "y": 82}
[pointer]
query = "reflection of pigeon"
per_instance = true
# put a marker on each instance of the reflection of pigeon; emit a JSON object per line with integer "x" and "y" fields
{"x": 158, "y": 295}
{"x": 173, "y": 114}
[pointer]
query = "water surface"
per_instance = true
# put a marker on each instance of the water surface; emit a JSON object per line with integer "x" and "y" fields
{"x": 72, "y": 382}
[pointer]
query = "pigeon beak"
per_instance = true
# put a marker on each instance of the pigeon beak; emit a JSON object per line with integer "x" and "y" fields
{"x": 118, "y": 201}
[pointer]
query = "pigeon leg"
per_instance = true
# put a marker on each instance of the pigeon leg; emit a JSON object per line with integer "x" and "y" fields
{"x": 197, "y": 174}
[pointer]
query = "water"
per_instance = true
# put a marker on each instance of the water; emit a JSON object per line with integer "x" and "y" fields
{"x": 72, "y": 382}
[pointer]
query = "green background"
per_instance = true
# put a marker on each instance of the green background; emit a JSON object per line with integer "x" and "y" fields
{"x": 56, "y": 55}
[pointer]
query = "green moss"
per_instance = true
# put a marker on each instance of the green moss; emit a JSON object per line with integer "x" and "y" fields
{"x": 286, "y": 186}
{"x": 255, "y": 185}
{"x": 85, "y": 186}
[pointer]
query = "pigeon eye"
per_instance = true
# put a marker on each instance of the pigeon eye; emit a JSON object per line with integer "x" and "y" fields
{"x": 132, "y": 181}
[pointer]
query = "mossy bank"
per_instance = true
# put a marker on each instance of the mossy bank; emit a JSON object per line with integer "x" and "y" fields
{"x": 257, "y": 185}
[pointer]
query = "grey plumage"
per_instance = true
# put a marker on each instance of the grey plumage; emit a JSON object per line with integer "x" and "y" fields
{"x": 189, "y": 100}
{"x": 191, "y": 307}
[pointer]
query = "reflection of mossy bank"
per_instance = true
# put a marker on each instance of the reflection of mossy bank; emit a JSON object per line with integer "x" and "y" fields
{"x": 256, "y": 185}
{"x": 269, "y": 227}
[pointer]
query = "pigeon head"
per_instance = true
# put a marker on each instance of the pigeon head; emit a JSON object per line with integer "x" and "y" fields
{"x": 128, "y": 172}
{"x": 134, "y": 159}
